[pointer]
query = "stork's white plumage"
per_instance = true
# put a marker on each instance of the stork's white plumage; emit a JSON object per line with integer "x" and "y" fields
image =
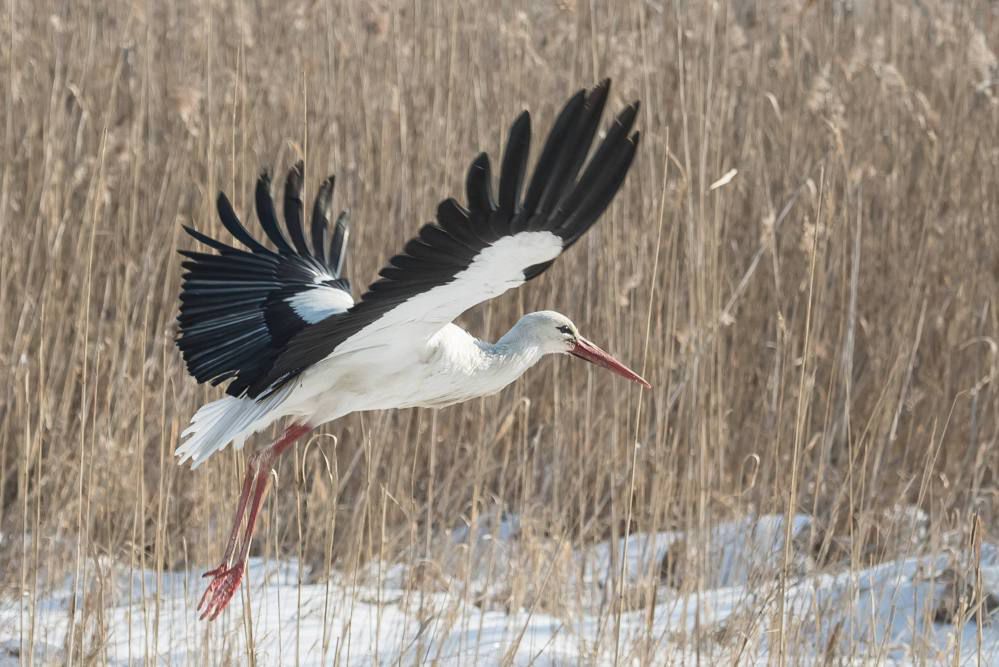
{"x": 282, "y": 327}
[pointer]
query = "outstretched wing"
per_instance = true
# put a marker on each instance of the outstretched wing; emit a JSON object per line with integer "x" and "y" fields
{"x": 470, "y": 255}
{"x": 238, "y": 308}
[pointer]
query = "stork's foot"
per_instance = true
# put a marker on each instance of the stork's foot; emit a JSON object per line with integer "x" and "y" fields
{"x": 226, "y": 578}
{"x": 224, "y": 584}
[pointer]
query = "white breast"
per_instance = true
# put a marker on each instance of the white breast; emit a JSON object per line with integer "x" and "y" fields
{"x": 453, "y": 367}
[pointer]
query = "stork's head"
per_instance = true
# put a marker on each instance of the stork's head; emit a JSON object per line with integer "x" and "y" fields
{"x": 555, "y": 333}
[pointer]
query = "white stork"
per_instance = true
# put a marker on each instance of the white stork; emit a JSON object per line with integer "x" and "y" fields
{"x": 282, "y": 328}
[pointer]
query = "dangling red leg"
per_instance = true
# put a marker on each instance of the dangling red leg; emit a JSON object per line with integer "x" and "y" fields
{"x": 226, "y": 577}
{"x": 237, "y": 520}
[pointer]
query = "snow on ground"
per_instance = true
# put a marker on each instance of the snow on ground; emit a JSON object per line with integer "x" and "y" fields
{"x": 456, "y": 608}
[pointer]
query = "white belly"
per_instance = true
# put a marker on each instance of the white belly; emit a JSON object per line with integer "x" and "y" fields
{"x": 453, "y": 367}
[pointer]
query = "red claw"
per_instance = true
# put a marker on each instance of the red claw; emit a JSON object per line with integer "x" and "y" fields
{"x": 221, "y": 590}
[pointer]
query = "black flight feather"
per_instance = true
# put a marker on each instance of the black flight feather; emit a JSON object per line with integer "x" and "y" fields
{"x": 593, "y": 207}
{"x": 337, "y": 245}
{"x": 518, "y": 145}
{"x": 612, "y": 143}
{"x": 235, "y": 305}
{"x": 588, "y": 123}
{"x": 267, "y": 216}
{"x": 293, "y": 208}
{"x": 321, "y": 219}
{"x": 554, "y": 145}
{"x": 478, "y": 186}
{"x": 235, "y": 227}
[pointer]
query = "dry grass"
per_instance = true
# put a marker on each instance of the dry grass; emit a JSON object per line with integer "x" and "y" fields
{"x": 821, "y": 330}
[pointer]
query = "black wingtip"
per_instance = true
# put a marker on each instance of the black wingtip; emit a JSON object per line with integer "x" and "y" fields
{"x": 514, "y": 167}
{"x": 293, "y": 207}
{"x": 478, "y": 186}
{"x": 627, "y": 116}
{"x": 598, "y": 97}
{"x": 481, "y": 161}
{"x": 540, "y": 191}
{"x": 338, "y": 244}
{"x": 320, "y": 218}
{"x": 603, "y": 87}
{"x": 295, "y": 175}
{"x": 524, "y": 117}
{"x": 206, "y": 240}
{"x": 266, "y": 214}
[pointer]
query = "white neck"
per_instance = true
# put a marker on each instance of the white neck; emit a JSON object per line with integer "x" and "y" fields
{"x": 467, "y": 367}
{"x": 507, "y": 359}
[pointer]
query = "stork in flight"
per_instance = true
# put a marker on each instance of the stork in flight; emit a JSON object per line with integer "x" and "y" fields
{"x": 282, "y": 327}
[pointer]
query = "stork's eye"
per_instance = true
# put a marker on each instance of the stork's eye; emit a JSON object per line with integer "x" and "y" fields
{"x": 565, "y": 329}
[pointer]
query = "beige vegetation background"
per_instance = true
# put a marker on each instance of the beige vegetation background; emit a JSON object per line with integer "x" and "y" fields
{"x": 820, "y": 325}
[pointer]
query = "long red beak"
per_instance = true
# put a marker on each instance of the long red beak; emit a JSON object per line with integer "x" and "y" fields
{"x": 587, "y": 351}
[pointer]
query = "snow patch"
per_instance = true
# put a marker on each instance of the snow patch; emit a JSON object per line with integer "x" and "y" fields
{"x": 455, "y": 607}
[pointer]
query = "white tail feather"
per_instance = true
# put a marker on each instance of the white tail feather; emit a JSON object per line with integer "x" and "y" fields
{"x": 226, "y": 420}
